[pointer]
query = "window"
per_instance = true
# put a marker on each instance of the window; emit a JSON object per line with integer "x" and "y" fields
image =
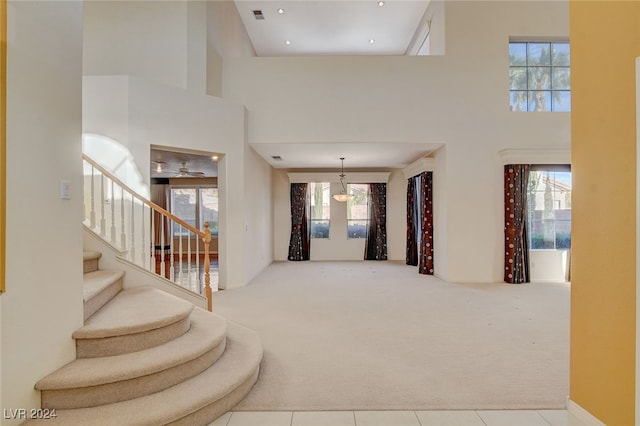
{"x": 539, "y": 76}
{"x": 358, "y": 210}
{"x": 319, "y": 206}
{"x": 549, "y": 209}
{"x": 195, "y": 205}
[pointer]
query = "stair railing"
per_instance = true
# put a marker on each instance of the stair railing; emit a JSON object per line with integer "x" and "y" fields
{"x": 147, "y": 234}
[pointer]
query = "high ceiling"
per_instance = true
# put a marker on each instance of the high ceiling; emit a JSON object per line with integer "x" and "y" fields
{"x": 324, "y": 27}
{"x": 332, "y": 27}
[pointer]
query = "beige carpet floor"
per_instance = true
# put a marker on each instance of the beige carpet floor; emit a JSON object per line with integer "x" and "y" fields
{"x": 376, "y": 335}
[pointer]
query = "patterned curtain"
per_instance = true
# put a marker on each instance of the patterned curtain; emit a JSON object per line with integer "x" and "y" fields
{"x": 376, "y": 244}
{"x": 516, "y": 257}
{"x": 412, "y": 241}
{"x": 425, "y": 265}
{"x": 299, "y": 244}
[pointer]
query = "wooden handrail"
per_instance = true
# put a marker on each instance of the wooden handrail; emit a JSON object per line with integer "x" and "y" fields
{"x": 205, "y": 234}
{"x": 149, "y": 203}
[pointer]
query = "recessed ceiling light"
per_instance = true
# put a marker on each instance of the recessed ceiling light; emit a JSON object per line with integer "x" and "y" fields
{"x": 287, "y": 42}
{"x": 371, "y": 41}
{"x": 281, "y": 11}
{"x": 214, "y": 158}
{"x": 380, "y": 3}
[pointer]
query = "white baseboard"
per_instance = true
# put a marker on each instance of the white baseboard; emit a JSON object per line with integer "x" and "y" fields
{"x": 585, "y": 417}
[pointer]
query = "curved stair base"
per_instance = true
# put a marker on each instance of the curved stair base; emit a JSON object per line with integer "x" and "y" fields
{"x": 190, "y": 378}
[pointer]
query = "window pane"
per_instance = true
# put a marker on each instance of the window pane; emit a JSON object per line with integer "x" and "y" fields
{"x": 319, "y": 209}
{"x": 561, "y": 78}
{"x": 540, "y": 100}
{"x": 562, "y": 101}
{"x": 518, "y": 78}
{"x": 209, "y": 209}
{"x": 560, "y": 55}
{"x": 357, "y": 228}
{"x": 539, "y": 54}
{"x": 539, "y": 78}
{"x": 518, "y": 100}
{"x": 357, "y": 210}
{"x": 319, "y": 228}
{"x": 183, "y": 205}
{"x": 517, "y": 54}
{"x": 549, "y": 210}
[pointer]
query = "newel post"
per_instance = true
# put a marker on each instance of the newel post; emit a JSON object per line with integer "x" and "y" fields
{"x": 207, "y": 265}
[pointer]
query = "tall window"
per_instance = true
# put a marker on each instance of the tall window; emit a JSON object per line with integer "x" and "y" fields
{"x": 539, "y": 76}
{"x": 195, "y": 205}
{"x": 549, "y": 209}
{"x": 319, "y": 206}
{"x": 358, "y": 210}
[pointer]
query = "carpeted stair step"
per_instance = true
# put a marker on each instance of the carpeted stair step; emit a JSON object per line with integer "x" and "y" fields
{"x": 197, "y": 401}
{"x": 99, "y": 381}
{"x": 135, "y": 319}
{"x": 98, "y": 288}
{"x": 90, "y": 260}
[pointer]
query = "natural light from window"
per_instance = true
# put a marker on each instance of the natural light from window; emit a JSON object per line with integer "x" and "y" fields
{"x": 358, "y": 210}
{"x": 539, "y": 76}
{"x": 319, "y": 209}
{"x": 195, "y": 205}
{"x": 549, "y": 210}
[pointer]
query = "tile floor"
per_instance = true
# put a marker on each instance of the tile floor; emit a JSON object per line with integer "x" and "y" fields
{"x": 399, "y": 418}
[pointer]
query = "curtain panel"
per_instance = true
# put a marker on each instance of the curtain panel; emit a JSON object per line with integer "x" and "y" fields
{"x": 376, "y": 245}
{"x": 412, "y": 226}
{"x": 299, "y": 243}
{"x": 516, "y": 257}
{"x": 425, "y": 258}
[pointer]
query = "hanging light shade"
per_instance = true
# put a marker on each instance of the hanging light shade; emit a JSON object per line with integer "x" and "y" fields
{"x": 343, "y": 195}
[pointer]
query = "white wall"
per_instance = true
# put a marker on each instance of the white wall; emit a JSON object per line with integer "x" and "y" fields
{"x": 173, "y": 117}
{"x": 43, "y": 302}
{"x": 226, "y": 36}
{"x": 258, "y": 197}
{"x": 144, "y": 38}
{"x": 460, "y": 99}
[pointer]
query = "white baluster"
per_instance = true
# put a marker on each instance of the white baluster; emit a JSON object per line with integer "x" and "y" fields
{"x": 162, "y": 263}
{"x": 143, "y": 236}
{"x": 92, "y": 215}
{"x": 103, "y": 222}
{"x": 123, "y": 235}
{"x": 113, "y": 214}
{"x": 180, "y": 273}
{"x": 189, "y": 259}
{"x": 198, "y": 265}
{"x": 172, "y": 270}
{"x": 152, "y": 236}
{"x": 133, "y": 225}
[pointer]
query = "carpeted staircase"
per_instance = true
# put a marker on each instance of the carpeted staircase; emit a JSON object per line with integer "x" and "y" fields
{"x": 145, "y": 357}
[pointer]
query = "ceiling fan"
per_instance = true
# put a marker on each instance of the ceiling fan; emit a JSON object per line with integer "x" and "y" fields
{"x": 181, "y": 172}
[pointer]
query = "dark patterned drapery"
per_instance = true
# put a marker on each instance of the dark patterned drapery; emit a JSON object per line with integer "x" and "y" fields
{"x": 299, "y": 244}
{"x": 376, "y": 245}
{"x": 516, "y": 257}
{"x": 412, "y": 226}
{"x": 425, "y": 257}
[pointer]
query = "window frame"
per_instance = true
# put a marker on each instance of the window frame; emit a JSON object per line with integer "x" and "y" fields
{"x": 350, "y": 205}
{"x": 311, "y": 220}
{"x": 553, "y": 95}
{"x": 530, "y": 214}
{"x": 198, "y": 213}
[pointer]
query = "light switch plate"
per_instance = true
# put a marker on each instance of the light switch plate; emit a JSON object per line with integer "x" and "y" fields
{"x": 65, "y": 189}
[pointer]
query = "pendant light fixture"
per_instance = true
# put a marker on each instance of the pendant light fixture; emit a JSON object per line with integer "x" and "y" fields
{"x": 342, "y": 196}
